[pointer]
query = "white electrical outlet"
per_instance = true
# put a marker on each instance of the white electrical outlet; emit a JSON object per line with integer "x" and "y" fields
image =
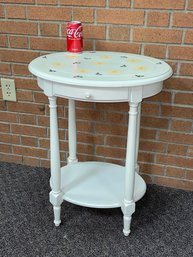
{"x": 8, "y": 89}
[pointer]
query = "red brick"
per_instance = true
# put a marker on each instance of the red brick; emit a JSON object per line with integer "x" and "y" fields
{"x": 20, "y": 69}
{"x": 4, "y": 127}
{"x": 7, "y": 138}
{"x": 5, "y": 68}
{"x": 31, "y": 161}
{"x": 116, "y": 141}
{"x": 152, "y": 146}
{"x": 45, "y": 163}
{"x": 110, "y": 152}
{"x": 109, "y": 129}
{"x": 4, "y": 157}
{"x": 186, "y": 69}
{"x": 49, "y": 13}
{"x": 15, "y": 11}
{"x": 116, "y": 118}
{"x": 188, "y": 37}
{"x": 44, "y": 143}
{"x": 83, "y": 14}
{"x": 181, "y": 52}
{"x": 190, "y": 5}
{"x": 184, "y": 84}
{"x": 173, "y": 160}
{"x": 8, "y": 116}
{"x": 159, "y": 4}
{"x": 174, "y": 66}
{"x": 28, "y": 141}
{"x": 5, "y": 148}
{"x": 18, "y": 27}
{"x": 189, "y": 174}
{"x": 49, "y": 29}
{"x": 18, "y": 1}
{"x": 88, "y": 114}
{"x": 90, "y": 138}
{"x": 18, "y": 42}
{"x": 17, "y": 56}
{"x": 84, "y": 148}
{"x": 27, "y": 119}
{"x": 177, "y": 149}
{"x": 3, "y": 40}
{"x": 182, "y": 19}
{"x": 25, "y": 95}
{"x": 47, "y": 2}
{"x": 154, "y": 122}
{"x": 83, "y": 126}
{"x": 52, "y": 44}
{"x": 120, "y": 16}
{"x": 117, "y": 46}
{"x": 151, "y": 168}
{"x": 83, "y": 2}
{"x": 119, "y": 3}
{"x": 26, "y": 107}
{"x": 28, "y": 130}
{"x": 184, "y": 98}
{"x": 180, "y": 125}
{"x": 190, "y": 151}
{"x": 157, "y": 35}
{"x": 179, "y": 112}
{"x": 175, "y": 183}
{"x": 146, "y": 157}
{"x": 175, "y": 172}
{"x": 2, "y": 105}
{"x": 158, "y": 19}
{"x": 118, "y": 33}
{"x": 39, "y": 97}
{"x": 2, "y": 14}
{"x": 30, "y": 84}
{"x": 29, "y": 151}
{"x": 162, "y": 97}
{"x": 147, "y": 133}
{"x": 150, "y": 108}
{"x": 94, "y": 32}
{"x": 157, "y": 51}
{"x": 175, "y": 137}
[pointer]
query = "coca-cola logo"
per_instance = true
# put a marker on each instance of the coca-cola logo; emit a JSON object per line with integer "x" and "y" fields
{"x": 75, "y": 33}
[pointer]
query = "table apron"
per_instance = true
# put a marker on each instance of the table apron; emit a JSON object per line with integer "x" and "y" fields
{"x": 99, "y": 94}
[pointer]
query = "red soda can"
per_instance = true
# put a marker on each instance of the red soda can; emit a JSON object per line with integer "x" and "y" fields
{"x": 74, "y": 37}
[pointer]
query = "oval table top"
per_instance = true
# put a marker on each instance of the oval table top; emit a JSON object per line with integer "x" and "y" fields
{"x": 100, "y": 69}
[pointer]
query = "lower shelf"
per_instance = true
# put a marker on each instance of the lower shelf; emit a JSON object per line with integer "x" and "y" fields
{"x": 97, "y": 184}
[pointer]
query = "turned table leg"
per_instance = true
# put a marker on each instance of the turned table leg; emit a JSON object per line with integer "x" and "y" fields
{"x": 56, "y": 194}
{"x": 137, "y": 140}
{"x": 128, "y": 206}
{"x": 72, "y": 131}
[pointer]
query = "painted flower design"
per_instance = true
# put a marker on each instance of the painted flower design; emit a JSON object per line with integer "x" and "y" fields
{"x": 99, "y": 63}
{"x": 105, "y": 56}
{"x": 134, "y": 60}
{"x": 141, "y": 68}
{"x": 82, "y": 71}
{"x": 57, "y": 64}
{"x": 114, "y": 72}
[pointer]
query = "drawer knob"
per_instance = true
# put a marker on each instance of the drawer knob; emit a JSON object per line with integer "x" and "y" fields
{"x": 87, "y": 95}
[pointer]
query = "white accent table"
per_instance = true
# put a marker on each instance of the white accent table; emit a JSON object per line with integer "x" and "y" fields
{"x": 97, "y": 77}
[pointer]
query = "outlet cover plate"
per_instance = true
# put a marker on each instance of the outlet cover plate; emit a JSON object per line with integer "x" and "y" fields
{"x": 8, "y": 89}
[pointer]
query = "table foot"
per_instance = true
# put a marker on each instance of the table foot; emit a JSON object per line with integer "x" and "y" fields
{"x": 127, "y": 224}
{"x": 57, "y": 211}
{"x": 56, "y": 200}
{"x": 128, "y": 208}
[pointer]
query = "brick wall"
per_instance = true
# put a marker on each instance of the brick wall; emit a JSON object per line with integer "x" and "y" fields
{"x": 161, "y": 28}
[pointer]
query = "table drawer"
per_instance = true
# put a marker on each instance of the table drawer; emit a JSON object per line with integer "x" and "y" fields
{"x": 103, "y": 94}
